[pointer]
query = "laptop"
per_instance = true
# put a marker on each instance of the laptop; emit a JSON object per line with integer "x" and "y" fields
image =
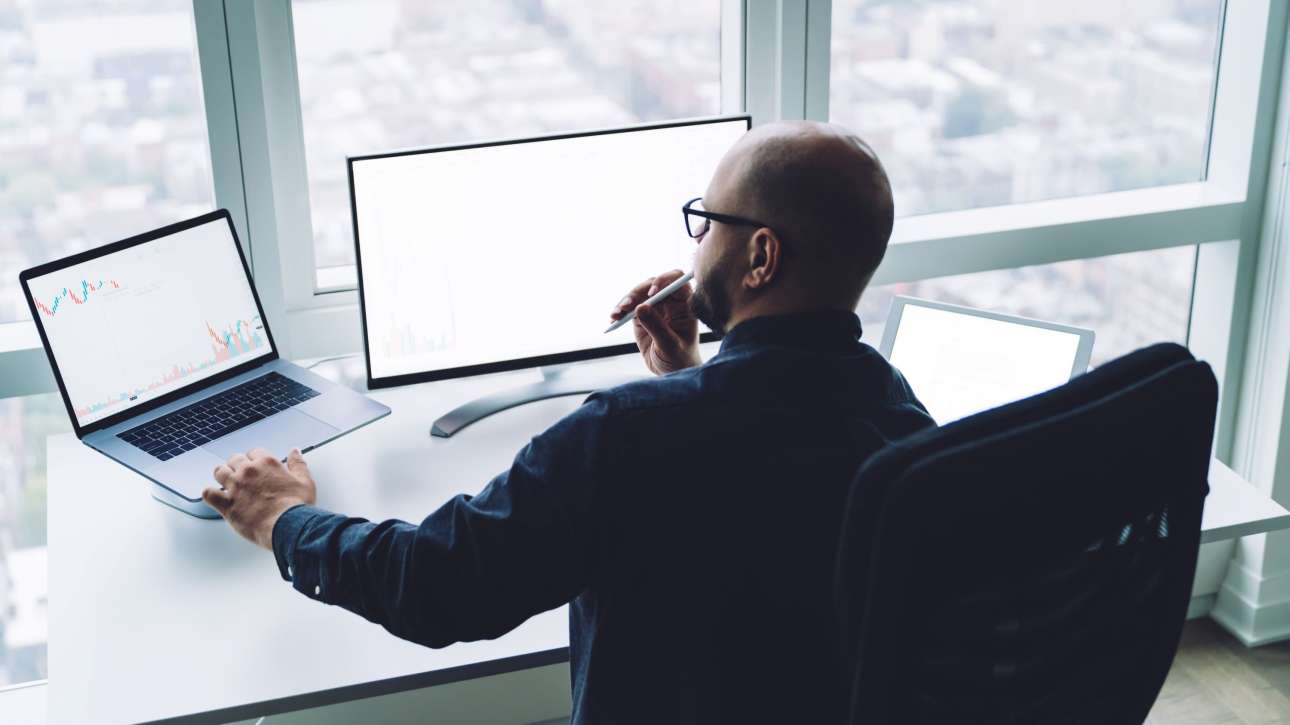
{"x": 166, "y": 362}
{"x": 962, "y": 361}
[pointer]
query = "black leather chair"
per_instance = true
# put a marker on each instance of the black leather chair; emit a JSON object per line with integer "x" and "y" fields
{"x": 1033, "y": 563}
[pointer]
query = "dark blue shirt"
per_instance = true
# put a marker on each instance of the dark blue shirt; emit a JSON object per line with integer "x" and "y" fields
{"x": 690, "y": 520}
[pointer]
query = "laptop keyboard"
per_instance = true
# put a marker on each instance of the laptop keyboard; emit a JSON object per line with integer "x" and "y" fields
{"x": 218, "y": 415}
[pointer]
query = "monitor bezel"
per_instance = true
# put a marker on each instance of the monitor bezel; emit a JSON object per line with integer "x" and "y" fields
{"x": 112, "y": 248}
{"x": 1083, "y": 352}
{"x": 520, "y": 363}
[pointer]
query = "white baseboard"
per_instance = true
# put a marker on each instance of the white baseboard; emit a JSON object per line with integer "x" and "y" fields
{"x": 1253, "y": 607}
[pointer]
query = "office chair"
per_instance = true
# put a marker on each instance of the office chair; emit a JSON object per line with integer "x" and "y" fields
{"x": 1032, "y": 563}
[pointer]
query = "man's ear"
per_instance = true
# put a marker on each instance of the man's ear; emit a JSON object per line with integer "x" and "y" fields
{"x": 765, "y": 253}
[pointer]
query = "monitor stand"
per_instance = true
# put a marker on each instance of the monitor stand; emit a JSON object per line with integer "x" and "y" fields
{"x": 557, "y": 381}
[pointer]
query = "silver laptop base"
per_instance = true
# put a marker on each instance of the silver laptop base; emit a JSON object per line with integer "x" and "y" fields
{"x": 197, "y": 508}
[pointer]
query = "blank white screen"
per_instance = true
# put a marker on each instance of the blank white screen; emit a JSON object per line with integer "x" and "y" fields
{"x": 501, "y": 252}
{"x": 961, "y": 364}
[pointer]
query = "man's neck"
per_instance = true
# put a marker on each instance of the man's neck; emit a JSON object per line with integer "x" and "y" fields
{"x": 779, "y": 307}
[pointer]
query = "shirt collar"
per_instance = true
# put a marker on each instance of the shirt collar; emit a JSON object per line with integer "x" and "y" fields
{"x": 820, "y": 330}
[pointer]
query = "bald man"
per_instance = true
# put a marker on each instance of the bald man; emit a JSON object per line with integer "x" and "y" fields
{"x": 689, "y": 520}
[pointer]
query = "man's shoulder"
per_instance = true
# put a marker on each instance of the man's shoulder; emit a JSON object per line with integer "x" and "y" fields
{"x": 861, "y": 381}
{"x": 677, "y": 388}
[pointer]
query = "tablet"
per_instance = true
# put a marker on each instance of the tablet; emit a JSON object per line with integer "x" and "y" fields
{"x": 961, "y": 360}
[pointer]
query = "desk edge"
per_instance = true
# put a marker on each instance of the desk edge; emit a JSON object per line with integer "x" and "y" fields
{"x": 402, "y": 683}
{"x": 1245, "y": 528}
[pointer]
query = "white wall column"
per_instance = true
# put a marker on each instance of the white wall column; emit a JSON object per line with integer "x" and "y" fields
{"x": 1254, "y": 601}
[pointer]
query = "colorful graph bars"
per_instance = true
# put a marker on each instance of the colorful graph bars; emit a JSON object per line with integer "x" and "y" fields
{"x": 233, "y": 341}
{"x": 403, "y": 340}
{"x": 238, "y": 338}
{"x": 86, "y": 288}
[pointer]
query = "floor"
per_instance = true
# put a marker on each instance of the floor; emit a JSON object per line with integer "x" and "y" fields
{"x": 1216, "y": 680}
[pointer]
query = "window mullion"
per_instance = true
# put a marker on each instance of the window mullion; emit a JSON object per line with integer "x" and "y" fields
{"x": 733, "y": 42}
{"x": 221, "y": 113}
{"x": 775, "y": 49}
{"x": 271, "y": 140}
{"x": 819, "y": 37}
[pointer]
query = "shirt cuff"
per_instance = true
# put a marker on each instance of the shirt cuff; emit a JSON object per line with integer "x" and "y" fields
{"x": 286, "y": 532}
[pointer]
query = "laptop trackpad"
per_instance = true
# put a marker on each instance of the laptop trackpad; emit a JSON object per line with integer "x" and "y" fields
{"x": 279, "y": 434}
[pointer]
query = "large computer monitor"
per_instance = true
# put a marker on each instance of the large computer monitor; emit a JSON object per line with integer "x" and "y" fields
{"x": 505, "y": 255}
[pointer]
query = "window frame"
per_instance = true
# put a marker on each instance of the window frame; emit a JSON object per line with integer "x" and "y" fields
{"x": 775, "y": 65}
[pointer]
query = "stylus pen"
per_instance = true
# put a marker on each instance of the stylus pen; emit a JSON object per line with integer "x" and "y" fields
{"x": 657, "y": 298}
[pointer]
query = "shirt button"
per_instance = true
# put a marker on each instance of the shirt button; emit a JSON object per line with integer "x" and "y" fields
{"x": 317, "y": 590}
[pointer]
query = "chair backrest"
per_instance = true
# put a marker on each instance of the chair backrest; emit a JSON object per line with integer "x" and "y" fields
{"x": 1031, "y": 564}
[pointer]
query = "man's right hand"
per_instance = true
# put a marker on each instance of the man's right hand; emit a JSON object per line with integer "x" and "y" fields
{"x": 667, "y": 333}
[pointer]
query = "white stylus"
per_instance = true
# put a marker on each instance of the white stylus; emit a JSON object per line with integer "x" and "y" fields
{"x": 658, "y": 297}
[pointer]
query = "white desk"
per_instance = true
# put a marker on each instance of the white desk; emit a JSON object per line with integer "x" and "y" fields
{"x": 155, "y": 614}
{"x": 1234, "y": 508}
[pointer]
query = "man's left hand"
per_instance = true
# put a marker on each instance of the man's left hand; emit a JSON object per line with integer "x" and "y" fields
{"x": 257, "y": 489}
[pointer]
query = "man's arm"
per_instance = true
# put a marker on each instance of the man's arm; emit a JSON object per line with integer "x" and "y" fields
{"x": 475, "y": 568}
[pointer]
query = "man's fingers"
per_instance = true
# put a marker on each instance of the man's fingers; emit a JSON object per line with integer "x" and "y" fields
{"x": 666, "y": 279}
{"x": 296, "y": 463}
{"x": 236, "y": 461}
{"x": 657, "y": 328}
{"x": 641, "y": 289}
{"x": 684, "y": 291}
{"x": 644, "y": 291}
{"x": 256, "y": 454}
{"x": 224, "y": 476}
{"x": 635, "y": 296}
{"x": 663, "y": 280}
{"x": 217, "y": 499}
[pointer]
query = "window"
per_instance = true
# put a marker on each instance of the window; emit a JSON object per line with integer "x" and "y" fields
{"x": 24, "y": 590}
{"x": 378, "y": 75}
{"x": 989, "y": 102}
{"x": 971, "y": 103}
{"x": 102, "y": 130}
{"x": 1128, "y": 300}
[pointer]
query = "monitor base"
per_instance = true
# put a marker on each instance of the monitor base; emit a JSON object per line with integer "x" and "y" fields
{"x": 555, "y": 383}
{"x": 197, "y": 509}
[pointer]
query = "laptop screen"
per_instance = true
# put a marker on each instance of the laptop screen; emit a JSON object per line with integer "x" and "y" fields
{"x": 959, "y": 364}
{"x": 132, "y": 325}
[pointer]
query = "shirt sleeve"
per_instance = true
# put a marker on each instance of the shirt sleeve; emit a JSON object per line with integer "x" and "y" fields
{"x": 478, "y": 566}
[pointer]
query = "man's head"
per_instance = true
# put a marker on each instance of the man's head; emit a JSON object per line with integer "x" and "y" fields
{"x": 824, "y": 199}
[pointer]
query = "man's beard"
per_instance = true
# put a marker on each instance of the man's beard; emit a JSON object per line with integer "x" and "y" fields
{"x": 710, "y": 302}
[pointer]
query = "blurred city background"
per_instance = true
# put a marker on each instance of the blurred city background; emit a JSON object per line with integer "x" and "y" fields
{"x": 970, "y": 103}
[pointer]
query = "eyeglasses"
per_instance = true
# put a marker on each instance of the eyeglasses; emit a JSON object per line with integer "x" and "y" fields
{"x": 698, "y": 220}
